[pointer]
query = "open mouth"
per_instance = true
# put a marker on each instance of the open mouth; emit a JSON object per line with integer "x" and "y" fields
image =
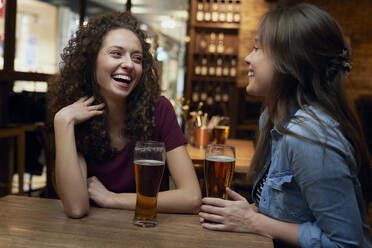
{"x": 250, "y": 74}
{"x": 123, "y": 80}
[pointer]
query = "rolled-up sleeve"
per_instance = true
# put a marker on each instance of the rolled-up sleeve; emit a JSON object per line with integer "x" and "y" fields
{"x": 327, "y": 186}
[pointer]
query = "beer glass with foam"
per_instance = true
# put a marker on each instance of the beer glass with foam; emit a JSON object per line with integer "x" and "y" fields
{"x": 149, "y": 163}
{"x": 219, "y": 167}
{"x": 221, "y": 130}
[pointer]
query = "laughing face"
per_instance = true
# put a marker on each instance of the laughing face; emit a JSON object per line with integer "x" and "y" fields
{"x": 119, "y": 64}
{"x": 260, "y": 71}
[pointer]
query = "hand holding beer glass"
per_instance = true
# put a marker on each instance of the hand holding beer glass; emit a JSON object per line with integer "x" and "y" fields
{"x": 221, "y": 130}
{"x": 219, "y": 167}
{"x": 149, "y": 163}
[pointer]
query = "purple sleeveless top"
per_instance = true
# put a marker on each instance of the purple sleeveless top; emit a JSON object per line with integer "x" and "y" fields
{"x": 117, "y": 174}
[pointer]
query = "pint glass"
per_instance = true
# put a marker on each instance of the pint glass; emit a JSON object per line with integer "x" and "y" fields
{"x": 221, "y": 130}
{"x": 219, "y": 167}
{"x": 149, "y": 163}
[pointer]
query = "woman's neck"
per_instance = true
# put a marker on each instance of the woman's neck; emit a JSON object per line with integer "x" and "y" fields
{"x": 115, "y": 119}
{"x": 116, "y": 111}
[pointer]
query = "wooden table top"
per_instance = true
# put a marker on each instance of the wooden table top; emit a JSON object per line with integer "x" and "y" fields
{"x": 244, "y": 150}
{"x": 37, "y": 222}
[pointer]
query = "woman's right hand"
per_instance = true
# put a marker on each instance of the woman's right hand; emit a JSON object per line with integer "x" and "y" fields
{"x": 79, "y": 111}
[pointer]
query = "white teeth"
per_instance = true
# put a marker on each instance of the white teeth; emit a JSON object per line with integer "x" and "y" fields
{"x": 122, "y": 77}
{"x": 250, "y": 74}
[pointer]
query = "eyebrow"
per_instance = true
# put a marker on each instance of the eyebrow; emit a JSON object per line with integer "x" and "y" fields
{"x": 122, "y": 48}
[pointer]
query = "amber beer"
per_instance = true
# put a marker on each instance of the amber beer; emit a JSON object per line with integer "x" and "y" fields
{"x": 218, "y": 172}
{"x": 221, "y": 133}
{"x": 148, "y": 178}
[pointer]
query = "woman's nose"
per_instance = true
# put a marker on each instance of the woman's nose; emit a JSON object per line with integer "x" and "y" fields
{"x": 247, "y": 59}
{"x": 127, "y": 62}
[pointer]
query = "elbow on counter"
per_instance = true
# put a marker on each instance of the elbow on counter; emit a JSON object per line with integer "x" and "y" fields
{"x": 76, "y": 212}
{"x": 195, "y": 203}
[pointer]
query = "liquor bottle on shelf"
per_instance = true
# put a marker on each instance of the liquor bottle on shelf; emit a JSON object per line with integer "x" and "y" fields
{"x": 203, "y": 92}
{"x": 212, "y": 67}
{"x": 230, "y": 44}
{"x": 203, "y": 42}
{"x": 210, "y": 98}
{"x": 200, "y": 13}
{"x": 230, "y": 14}
{"x": 233, "y": 68}
{"x": 217, "y": 96}
{"x": 222, "y": 10}
{"x": 225, "y": 95}
{"x": 212, "y": 43}
{"x": 226, "y": 67}
{"x": 237, "y": 11}
{"x": 195, "y": 96}
{"x": 207, "y": 13}
{"x": 197, "y": 69}
{"x": 204, "y": 66}
{"x": 219, "y": 67}
{"x": 217, "y": 101}
{"x": 214, "y": 11}
{"x": 220, "y": 46}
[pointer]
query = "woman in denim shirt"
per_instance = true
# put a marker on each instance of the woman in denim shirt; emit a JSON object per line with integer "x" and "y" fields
{"x": 311, "y": 165}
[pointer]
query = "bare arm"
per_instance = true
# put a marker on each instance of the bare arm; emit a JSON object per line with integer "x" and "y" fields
{"x": 240, "y": 216}
{"x": 276, "y": 229}
{"x": 187, "y": 195}
{"x": 186, "y": 198}
{"x": 71, "y": 172}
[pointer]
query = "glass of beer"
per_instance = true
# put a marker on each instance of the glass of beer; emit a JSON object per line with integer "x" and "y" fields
{"x": 219, "y": 167}
{"x": 221, "y": 130}
{"x": 149, "y": 163}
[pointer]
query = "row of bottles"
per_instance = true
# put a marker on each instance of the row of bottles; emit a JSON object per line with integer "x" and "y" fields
{"x": 218, "y": 11}
{"x": 215, "y": 66}
{"x": 215, "y": 43}
{"x": 214, "y": 95}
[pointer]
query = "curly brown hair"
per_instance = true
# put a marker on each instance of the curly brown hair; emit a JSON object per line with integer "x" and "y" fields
{"x": 77, "y": 79}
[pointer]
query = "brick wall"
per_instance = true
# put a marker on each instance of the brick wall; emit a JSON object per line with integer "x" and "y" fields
{"x": 356, "y": 22}
{"x": 251, "y": 12}
{"x": 354, "y": 18}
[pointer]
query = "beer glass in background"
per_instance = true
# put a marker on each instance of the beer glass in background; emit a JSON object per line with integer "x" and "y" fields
{"x": 149, "y": 163}
{"x": 219, "y": 167}
{"x": 221, "y": 130}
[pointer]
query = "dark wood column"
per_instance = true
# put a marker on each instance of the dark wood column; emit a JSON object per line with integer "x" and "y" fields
{"x": 82, "y": 11}
{"x": 128, "y": 5}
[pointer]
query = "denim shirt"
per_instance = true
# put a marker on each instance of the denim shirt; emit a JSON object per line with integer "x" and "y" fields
{"x": 313, "y": 186}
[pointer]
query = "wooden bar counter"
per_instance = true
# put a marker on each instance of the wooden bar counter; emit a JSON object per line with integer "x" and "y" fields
{"x": 37, "y": 222}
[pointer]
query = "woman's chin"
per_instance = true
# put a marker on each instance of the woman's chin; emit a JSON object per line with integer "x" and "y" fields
{"x": 250, "y": 90}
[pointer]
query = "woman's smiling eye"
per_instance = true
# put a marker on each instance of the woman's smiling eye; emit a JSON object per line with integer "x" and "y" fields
{"x": 137, "y": 58}
{"x": 115, "y": 53}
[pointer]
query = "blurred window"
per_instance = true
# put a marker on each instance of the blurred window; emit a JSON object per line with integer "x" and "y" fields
{"x": 30, "y": 86}
{"x": 43, "y": 29}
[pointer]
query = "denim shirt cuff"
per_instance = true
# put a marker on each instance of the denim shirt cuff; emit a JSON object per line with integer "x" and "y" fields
{"x": 309, "y": 235}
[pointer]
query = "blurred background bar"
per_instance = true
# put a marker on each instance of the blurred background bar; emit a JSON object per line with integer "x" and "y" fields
{"x": 200, "y": 46}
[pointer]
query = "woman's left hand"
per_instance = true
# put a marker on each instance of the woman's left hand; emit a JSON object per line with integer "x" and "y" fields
{"x": 236, "y": 215}
{"x": 98, "y": 192}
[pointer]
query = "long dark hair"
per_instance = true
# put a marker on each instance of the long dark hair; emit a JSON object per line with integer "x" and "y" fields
{"x": 310, "y": 60}
{"x": 77, "y": 79}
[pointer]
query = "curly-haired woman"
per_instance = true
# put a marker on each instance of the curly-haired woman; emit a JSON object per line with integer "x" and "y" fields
{"x": 105, "y": 98}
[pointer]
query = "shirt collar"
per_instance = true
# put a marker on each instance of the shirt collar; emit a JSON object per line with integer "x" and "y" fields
{"x": 284, "y": 122}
